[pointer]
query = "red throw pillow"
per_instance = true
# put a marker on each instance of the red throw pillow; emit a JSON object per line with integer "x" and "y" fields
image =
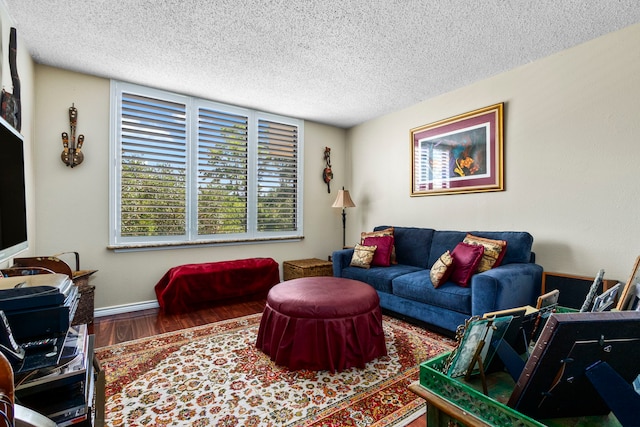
{"x": 466, "y": 258}
{"x": 382, "y": 256}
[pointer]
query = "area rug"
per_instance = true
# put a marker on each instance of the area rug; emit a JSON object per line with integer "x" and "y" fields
{"x": 214, "y": 375}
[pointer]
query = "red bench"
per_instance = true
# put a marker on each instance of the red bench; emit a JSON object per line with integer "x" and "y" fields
{"x": 187, "y": 287}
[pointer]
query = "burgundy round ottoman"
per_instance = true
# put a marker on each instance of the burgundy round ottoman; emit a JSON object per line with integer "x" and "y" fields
{"x": 322, "y": 323}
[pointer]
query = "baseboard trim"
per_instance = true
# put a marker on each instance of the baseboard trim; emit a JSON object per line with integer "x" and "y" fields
{"x": 125, "y": 308}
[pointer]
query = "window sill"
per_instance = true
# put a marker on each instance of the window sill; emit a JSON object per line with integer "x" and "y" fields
{"x": 201, "y": 243}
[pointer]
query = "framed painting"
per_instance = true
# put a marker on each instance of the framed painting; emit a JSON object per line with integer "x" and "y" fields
{"x": 461, "y": 154}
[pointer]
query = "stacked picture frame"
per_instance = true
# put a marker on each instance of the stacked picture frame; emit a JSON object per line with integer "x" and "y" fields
{"x": 630, "y": 296}
{"x": 565, "y": 363}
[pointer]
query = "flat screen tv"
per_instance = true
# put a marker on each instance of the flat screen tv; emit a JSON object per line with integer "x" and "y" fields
{"x": 13, "y": 206}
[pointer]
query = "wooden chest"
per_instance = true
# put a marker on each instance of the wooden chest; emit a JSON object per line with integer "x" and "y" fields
{"x": 306, "y": 268}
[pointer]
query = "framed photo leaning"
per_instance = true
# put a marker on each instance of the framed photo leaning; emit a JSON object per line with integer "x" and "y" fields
{"x": 461, "y": 154}
{"x": 549, "y": 298}
{"x": 474, "y": 349}
{"x": 606, "y": 300}
{"x": 630, "y": 297}
{"x": 555, "y": 381}
{"x": 593, "y": 291}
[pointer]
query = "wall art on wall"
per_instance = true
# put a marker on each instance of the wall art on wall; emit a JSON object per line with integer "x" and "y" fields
{"x": 461, "y": 154}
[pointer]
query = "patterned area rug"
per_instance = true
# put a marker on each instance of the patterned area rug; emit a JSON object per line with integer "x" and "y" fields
{"x": 214, "y": 375}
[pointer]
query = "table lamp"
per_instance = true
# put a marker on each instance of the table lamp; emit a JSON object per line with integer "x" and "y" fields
{"x": 343, "y": 201}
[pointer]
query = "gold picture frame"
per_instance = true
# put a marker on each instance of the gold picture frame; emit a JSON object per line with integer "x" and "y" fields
{"x": 461, "y": 154}
{"x": 630, "y": 293}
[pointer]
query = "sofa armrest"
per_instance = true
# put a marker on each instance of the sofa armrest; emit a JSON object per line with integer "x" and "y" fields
{"x": 506, "y": 286}
{"x": 341, "y": 259}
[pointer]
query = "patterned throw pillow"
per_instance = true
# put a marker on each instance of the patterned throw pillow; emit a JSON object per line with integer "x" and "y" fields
{"x": 362, "y": 256}
{"x": 466, "y": 258}
{"x": 380, "y": 233}
{"x": 382, "y": 256}
{"x": 494, "y": 251}
{"x": 441, "y": 269}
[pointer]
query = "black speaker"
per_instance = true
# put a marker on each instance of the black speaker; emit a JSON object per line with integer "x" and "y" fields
{"x": 573, "y": 289}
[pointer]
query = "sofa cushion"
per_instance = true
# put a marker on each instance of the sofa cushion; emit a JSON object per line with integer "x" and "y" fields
{"x": 494, "y": 251}
{"x": 384, "y": 245}
{"x": 379, "y": 277}
{"x": 362, "y": 256}
{"x": 466, "y": 259}
{"x": 518, "y": 244}
{"x": 379, "y": 233}
{"x": 444, "y": 241}
{"x": 417, "y": 286}
{"x": 442, "y": 269}
{"x": 413, "y": 245}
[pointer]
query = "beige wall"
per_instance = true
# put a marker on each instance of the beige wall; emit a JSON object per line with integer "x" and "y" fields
{"x": 572, "y": 144}
{"x": 73, "y": 203}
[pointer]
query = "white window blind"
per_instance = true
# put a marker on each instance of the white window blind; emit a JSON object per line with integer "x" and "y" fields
{"x": 277, "y": 176}
{"x": 222, "y": 172}
{"x": 187, "y": 170}
{"x": 153, "y": 159}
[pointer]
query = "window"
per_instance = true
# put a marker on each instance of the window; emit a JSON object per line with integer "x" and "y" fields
{"x": 192, "y": 171}
{"x": 433, "y": 164}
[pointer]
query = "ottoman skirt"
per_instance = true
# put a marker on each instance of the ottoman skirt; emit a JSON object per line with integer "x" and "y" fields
{"x": 322, "y": 323}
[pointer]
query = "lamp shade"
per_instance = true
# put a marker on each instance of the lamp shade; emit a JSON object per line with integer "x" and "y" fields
{"x": 343, "y": 200}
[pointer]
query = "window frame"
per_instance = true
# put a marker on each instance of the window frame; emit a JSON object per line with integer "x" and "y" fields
{"x": 191, "y": 237}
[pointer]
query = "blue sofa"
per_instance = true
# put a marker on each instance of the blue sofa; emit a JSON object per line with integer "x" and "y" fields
{"x": 406, "y": 289}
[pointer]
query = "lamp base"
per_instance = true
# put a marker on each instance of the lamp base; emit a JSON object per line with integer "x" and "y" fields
{"x": 344, "y": 227}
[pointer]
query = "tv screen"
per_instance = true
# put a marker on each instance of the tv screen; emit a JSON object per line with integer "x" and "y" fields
{"x": 13, "y": 206}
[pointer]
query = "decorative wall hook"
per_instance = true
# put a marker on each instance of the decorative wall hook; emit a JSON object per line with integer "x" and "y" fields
{"x": 327, "y": 174}
{"x": 72, "y": 153}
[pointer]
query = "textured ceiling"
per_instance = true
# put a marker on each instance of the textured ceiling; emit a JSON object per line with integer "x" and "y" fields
{"x": 339, "y": 62}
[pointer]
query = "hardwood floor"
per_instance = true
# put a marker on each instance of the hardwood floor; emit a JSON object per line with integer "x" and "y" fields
{"x": 109, "y": 330}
